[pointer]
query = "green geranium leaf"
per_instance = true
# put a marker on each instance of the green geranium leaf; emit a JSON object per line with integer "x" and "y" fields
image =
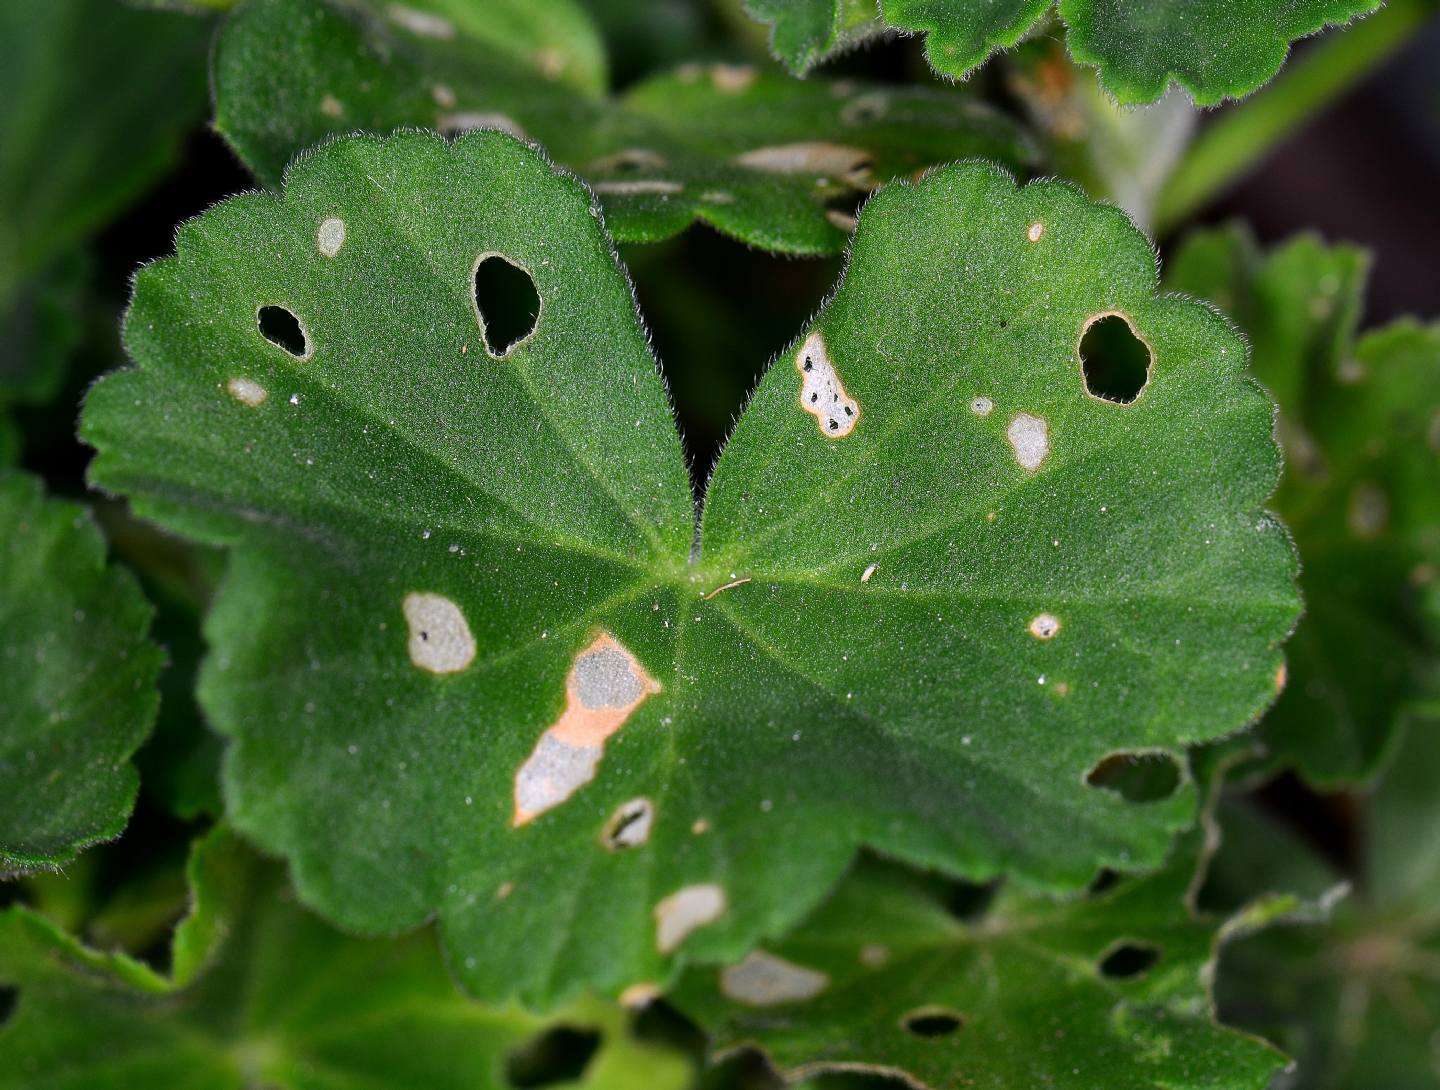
{"x": 776, "y": 163}
{"x": 78, "y": 676}
{"x": 1357, "y": 999}
{"x": 475, "y": 661}
{"x": 1360, "y": 421}
{"x": 1215, "y": 49}
{"x": 264, "y": 994}
{"x": 909, "y": 976}
{"x": 94, "y": 97}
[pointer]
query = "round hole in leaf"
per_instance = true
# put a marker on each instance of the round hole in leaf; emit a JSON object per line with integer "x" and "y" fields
{"x": 281, "y": 328}
{"x": 559, "y": 1055}
{"x": 506, "y": 303}
{"x": 932, "y": 1022}
{"x": 8, "y": 998}
{"x": 970, "y": 901}
{"x": 1138, "y": 777}
{"x": 1115, "y": 362}
{"x": 1103, "y": 882}
{"x": 1127, "y": 960}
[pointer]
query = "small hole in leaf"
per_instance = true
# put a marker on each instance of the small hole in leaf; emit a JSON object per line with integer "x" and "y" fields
{"x": 970, "y": 901}
{"x": 1116, "y": 363}
{"x": 8, "y": 998}
{"x": 1138, "y": 777}
{"x": 932, "y": 1022}
{"x": 559, "y": 1055}
{"x": 506, "y": 303}
{"x": 1103, "y": 882}
{"x": 1128, "y": 960}
{"x": 282, "y": 329}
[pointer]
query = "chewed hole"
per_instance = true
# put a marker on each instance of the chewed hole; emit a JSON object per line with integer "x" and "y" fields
{"x": 971, "y": 901}
{"x": 8, "y": 998}
{"x": 281, "y": 328}
{"x": 506, "y": 303}
{"x": 1138, "y": 777}
{"x": 1115, "y": 362}
{"x": 932, "y": 1022}
{"x": 559, "y": 1055}
{"x": 1128, "y": 960}
{"x": 1103, "y": 882}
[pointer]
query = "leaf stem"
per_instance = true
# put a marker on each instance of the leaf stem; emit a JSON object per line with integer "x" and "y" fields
{"x": 1244, "y": 134}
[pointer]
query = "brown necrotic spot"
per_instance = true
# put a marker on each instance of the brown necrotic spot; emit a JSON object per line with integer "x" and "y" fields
{"x": 605, "y": 686}
{"x": 1114, "y": 359}
{"x": 822, "y": 394}
{"x": 282, "y": 328}
{"x": 932, "y": 1022}
{"x": 764, "y": 980}
{"x": 507, "y": 306}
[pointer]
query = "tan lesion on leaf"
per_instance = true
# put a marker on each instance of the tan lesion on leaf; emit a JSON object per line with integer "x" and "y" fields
{"x": 766, "y": 980}
{"x": 605, "y": 685}
{"x": 440, "y": 638}
{"x": 849, "y": 164}
{"x": 684, "y": 911}
{"x": 822, "y": 394}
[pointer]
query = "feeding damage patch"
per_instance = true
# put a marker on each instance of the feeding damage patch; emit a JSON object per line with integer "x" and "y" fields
{"x": 764, "y": 980}
{"x": 605, "y": 686}
{"x": 440, "y": 639}
{"x": 822, "y": 395}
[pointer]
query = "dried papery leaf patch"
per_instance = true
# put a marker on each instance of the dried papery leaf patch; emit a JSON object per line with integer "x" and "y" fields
{"x": 822, "y": 394}
{"x": 440, "y": 639}
{"x": 606, "y": 684}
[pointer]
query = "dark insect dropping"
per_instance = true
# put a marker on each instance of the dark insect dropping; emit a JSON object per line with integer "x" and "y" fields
{"x": 807, "y": 363}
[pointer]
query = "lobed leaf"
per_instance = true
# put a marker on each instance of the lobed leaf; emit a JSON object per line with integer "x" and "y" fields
{"x": 772, "y": 162}
{"x": 475, "y": 662}
{"x": 1360, "y": 421}
{"x": 79, "y": 680}
{"x": 894, "y": 976}
{"x": 263, "y": 993}
{"x": 1214, "y": 49}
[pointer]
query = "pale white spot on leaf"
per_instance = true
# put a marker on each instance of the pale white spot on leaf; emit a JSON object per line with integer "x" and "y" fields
{"x": 684, "y": 911}
{"x": 982, "y": 406}
{"x": 423, "y": 23}
{"x": 1369, "y": 510}
{"x": 247, "y": 391}
{"x": 812, "y": 157}
{"x": 1036, "y": 231}
{"x": 822, "y": 395}
{"x": 465, "y": 121}
{"x": 1030, "y": 439}
{"x": 440, "y": 640}
{"x": 331, "y": 236}
{"x": 764, "y": 980}
{"x": 731, "y": 79}
{"x": 637, "y": 187}
{"x": 1045, "y": 626}
{"x": 629, "y": 826}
